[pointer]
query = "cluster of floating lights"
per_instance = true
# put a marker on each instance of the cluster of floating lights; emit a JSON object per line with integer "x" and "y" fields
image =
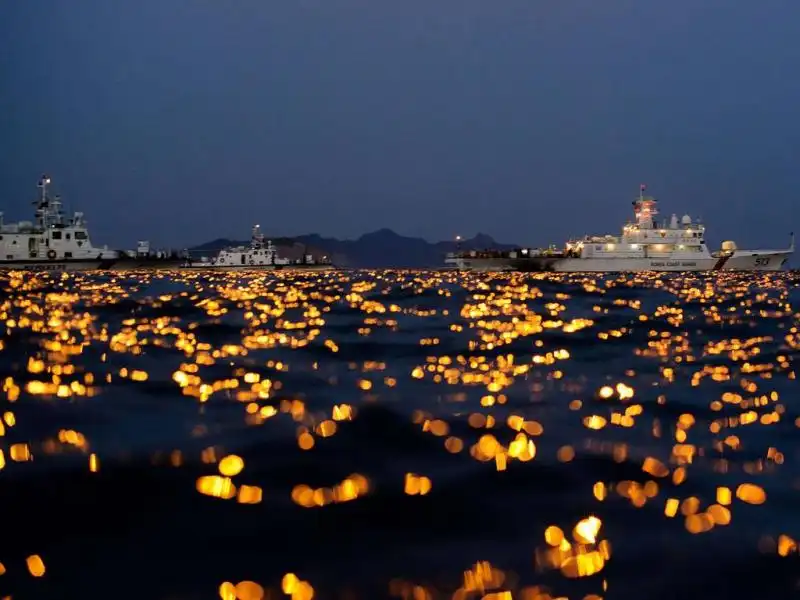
{"x": 506, "y": 323}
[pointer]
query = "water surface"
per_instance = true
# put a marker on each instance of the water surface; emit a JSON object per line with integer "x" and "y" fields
{"x": 399, "y": 434}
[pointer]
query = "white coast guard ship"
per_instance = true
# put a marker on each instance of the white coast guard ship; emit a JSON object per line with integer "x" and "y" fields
{"x": 645, "y": 245}
{"x": 259, "y": 254}
{"x": 55, "y": 242}
{"x": 51, "y": 242}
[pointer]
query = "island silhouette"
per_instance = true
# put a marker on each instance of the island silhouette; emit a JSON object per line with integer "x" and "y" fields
{"x": 381, "y": 248}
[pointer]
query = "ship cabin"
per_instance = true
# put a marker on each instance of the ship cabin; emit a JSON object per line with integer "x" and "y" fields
{"x": 646, "y": 238}
{"x": 51, "y": 236}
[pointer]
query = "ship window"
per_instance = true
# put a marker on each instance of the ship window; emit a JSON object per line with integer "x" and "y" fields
{"x": 80, "y": 235}
{"x": 56, "y": 235}
{"x": 67, "y": 254}
{"x": 69, "y": 236}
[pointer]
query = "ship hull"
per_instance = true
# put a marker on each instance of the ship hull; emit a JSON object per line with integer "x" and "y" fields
{"x": 209, "y": 267}
{"x": 144, "y": 264}
{"x": 109, "y": 264}
{"x": 56, "y": 265}
{"x": 488, "y": 264}
{"x": 740, "y": 261}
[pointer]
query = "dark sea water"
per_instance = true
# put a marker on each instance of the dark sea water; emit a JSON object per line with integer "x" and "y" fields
{"x": 399, "y": 434}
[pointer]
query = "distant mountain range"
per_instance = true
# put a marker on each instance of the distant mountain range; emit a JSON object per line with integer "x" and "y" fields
{"x": 382, "y": 248}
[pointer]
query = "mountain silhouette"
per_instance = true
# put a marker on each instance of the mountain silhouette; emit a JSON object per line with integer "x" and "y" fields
{"x": 381, "y": 248}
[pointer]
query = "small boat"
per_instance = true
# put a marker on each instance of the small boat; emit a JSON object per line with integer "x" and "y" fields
{"x": 55, "y": 242}
{"x": 260, "y": 254}
{"x": 645, "y": 245}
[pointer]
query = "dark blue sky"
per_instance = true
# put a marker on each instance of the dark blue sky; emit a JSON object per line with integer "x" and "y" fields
{"x": 530, "y": 120}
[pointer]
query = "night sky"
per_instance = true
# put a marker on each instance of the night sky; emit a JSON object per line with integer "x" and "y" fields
{"x": 181, "y": 121}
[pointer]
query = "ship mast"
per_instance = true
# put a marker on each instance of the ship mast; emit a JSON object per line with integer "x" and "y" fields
{"x": 41, "y": 203}
{"x": 257, "y": 238}
{"x": 645, "y": 208}
{"x": 48, "y": 211}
